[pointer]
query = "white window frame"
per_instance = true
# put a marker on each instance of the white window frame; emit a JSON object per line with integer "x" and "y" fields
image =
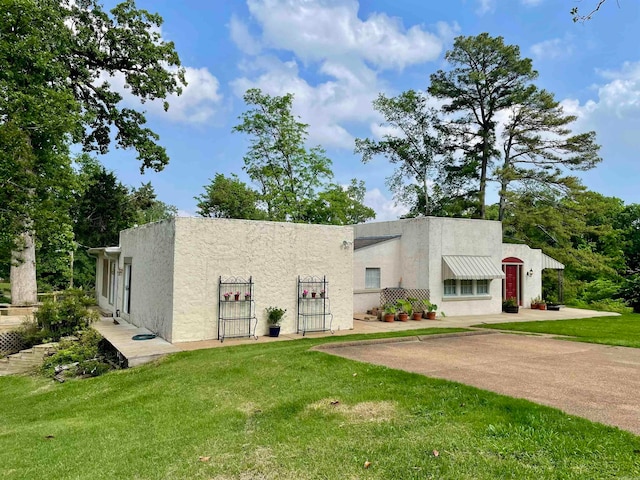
{"x": 112, "y": 281}
{"x": 457, "y": 286}
{"x": 368, "y": 285}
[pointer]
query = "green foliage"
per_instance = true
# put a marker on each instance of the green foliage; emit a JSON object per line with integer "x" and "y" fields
{"x": 485, "y": 78}
{"x": 52, "y": 57}
{"x": 228, "y": 197}
{"x": 604, "y": 305}
{"x": 390, "y": 309}
{"x": 601, "y": 289}
{"x": 431, "y": 307}
{"x": 274, "y": 315}
{"x": 404, "y": 306}
{"x": 293, "y": 182}
{"x": 66, "y": 316}
{"x": 31, "y": 334}
{"x": 85, "y": 351}
{"x": 417, "y": 150}
{"x": 286, "y": 173}
{"x": 510, "y": 302}
{"x": 338, "y": 205}
{"x": 630, "y": 291}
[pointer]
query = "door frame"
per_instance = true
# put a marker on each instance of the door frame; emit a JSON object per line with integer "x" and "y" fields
{"x": 519, "y": 264}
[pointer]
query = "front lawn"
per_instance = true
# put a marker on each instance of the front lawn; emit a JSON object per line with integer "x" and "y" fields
{"x": 280, "y": 411}
{"x": 623, "y": 330}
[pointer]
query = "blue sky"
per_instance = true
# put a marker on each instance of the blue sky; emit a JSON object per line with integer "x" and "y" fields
{"x": 335, "y": 56}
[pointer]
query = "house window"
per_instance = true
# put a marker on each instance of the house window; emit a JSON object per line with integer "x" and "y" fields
{"x": 112, "y": 281}
{"x": 105, "y": 277}
{"x": 126, "y": 300}
{"x": 466, "y": 287}
{"x": 372, "y": 278}
{"x": 450, "y": 287}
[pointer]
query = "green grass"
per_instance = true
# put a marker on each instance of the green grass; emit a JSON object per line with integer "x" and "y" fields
{"x": 264, "y": 411}
{"x": 623, "y": 330}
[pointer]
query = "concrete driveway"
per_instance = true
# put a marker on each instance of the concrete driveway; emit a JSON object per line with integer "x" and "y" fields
{"x": 597, "y": 382}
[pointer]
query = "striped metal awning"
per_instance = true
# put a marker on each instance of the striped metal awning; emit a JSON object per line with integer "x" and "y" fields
{"x": 469, "y": 267}
{"x": 548, "y": 262}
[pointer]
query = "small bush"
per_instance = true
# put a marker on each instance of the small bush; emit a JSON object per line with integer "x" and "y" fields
{"x": 85, "y": 352}
{"x": 65, "y": 317}
{"x": 606, "y": 305}
{"x": 31, "y": 333}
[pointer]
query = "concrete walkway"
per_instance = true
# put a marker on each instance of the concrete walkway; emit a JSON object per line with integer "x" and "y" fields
{"x": 598, "y": 382}
{"x": 136, "y": 352}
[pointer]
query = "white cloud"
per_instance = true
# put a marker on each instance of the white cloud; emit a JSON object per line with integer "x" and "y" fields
{"x": 386, "y": 209}
{"x": 324, "y": 106}
{"x": 198, "y": 102}
{"x": 331, "y": 42}
{"x": 242, "y": 37}
{"x": 554, "y": 48}
{"x": 320, "y": 29}
{"x": 485, "y": 6}
{"x": 531, "y": 3}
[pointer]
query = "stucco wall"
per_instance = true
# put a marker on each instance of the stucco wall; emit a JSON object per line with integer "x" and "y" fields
{"x": 532, "y": 258}
{"x": 151, "y": 249}
{"x": 423, "y": 242}
{"x": 273, "y": 253}
{"x": 387, "y": 257}
{"x": 462, "y": 236}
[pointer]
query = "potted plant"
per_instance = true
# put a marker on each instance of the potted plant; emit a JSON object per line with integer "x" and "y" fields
{"x": 322, "y": 293}
{"x": 431, "y": 309}
{"x": 389, "y": 312}
{"x": 552, "y": 303}
{"x": 542, "y": 305}
{"x": 510, "y": 305}
{"x": 313, "y": 294}
{"x": 404, "y": 309}
{"x": 305, "y": 293}
{"x": 417, "y": 314}
{"x": 227, "y": 295}
{"x": 535, "y": 303}
{"x": 236, "y": 296}
{"x": 274, "y": 317}
{"x": 247, "y": 295}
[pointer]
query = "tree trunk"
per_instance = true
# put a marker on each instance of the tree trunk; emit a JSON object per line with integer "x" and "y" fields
{"x": 24, "y": 289}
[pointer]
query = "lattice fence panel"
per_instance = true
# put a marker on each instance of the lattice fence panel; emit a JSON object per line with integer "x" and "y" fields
{"x": 392, "y": 295}
{"x": 10, "y": 342}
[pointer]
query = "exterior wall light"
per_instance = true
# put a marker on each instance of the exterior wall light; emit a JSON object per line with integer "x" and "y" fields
{"x": 530, "y": 273}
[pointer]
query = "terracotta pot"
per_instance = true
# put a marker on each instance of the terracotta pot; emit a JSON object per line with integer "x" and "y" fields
{"x": 542, "y": 306}
{"x": 403, "y": 317}
{"x": 389, "y": 317}
{"x": 431, "y": 315}
{"x": 313, "y": 294}
{"x": 535, "y": 306}
{"x": 417, "y": 316}
{"x": 237, "y": 297}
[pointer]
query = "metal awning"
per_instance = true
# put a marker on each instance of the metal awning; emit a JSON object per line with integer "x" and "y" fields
{"x": 548, "y": 262}
{"x": 469, "y": 267}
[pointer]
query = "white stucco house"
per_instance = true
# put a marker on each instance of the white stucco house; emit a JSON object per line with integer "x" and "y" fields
{"x": 171, "y": 277}
{"x": 190, "y": 279}
{"x": 461, "y": 262}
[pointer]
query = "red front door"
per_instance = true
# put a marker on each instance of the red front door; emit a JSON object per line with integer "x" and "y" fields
{"x": 511, "y": 282}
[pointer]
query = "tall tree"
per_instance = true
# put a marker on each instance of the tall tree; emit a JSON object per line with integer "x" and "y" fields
{"x": 228, "y": 197}
{"x": 147, "y": 206}
{"x": 538, "y": 146}
{"x": 416, "y": 145}
{"x": 54, "y": 56}
{"x": 340, "y": 205}
{"x": 486, "y": 77}
{"x": 287, "y": 174}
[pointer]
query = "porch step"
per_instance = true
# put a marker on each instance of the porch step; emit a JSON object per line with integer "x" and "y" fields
{"x": 26, "y": 360}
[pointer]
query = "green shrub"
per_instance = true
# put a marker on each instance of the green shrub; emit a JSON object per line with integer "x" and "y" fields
{"x": 606, "y": 305}
{"x": 31, "y": 333}
{"x": 597, "y": 290}
{"x": 85, "y": 351}
{"x": 66, "y": 316}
